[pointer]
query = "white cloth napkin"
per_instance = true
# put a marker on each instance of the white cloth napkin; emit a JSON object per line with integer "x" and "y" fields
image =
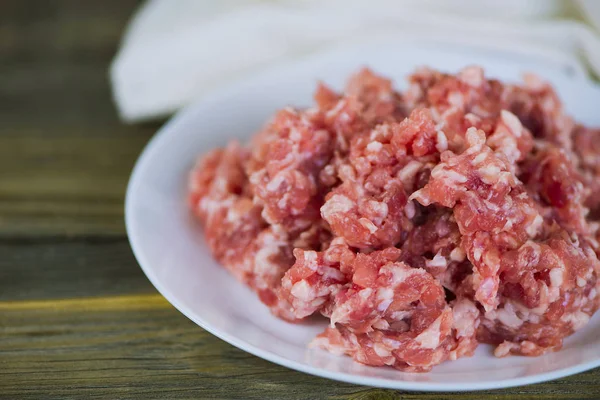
{"x": 176, "y": 51}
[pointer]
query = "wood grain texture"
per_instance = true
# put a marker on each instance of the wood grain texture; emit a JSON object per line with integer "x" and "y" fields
{"x": 139, "y": 347}
{"x": 78, "y": 319}
{"x": 65, "y": 184}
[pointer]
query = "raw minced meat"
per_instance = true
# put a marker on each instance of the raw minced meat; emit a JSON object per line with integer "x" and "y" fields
{"x": 461, "y": 211}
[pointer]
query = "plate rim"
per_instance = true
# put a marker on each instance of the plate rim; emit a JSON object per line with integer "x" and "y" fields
{"x": 163, "y": 134}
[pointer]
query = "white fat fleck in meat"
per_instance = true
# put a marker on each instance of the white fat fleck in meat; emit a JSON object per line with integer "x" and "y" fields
{"x": 290, "y": 157}
{"x": 340, "y": 313}
{"x": 303, "y": 291}
{"x": 442, "y": 141}
{"x": 472, "y": 119}
{"x": 328, "y": 170}
{"x": 472, "y": 76}
{"x": 374, "y": 146}
{"x": 332, "y": 273}
{"x": 442, "y": 229}
{"x": 401, "y": 315}
{"x": 457, "y": 99}
{"x": 477, "y": 252}
{"x": 444, "y": 117}
{"x": 525, "y": 314}
{"x": 479, "y": 158}
{"x": 448, "y": 174}
{"x": 487, "y": 287}
{"x": 458, "y": 254}
{"x": 410, "y": 210}
{"x": 528, "y": 346}
{"x": 556, "y": 277}
{"x": 385, "y": 293}
{"x": 491, "y": 260}
{"x": 533, "y": 228}
{"x": 346, "y": 172}
{"x": 512, "y": 122}
{"x": 489, "y": 173}
{"x": 295, "y": 134}
{"x": 283, "y": 201}
{"x": 220, "y": 185}
{"x": 508, "y": 316}
{"x": 380, "y": 209}
{"x": 475, "y": 139}
{"x": 232, "y": 216}
{"x": 391, "y": 343}
{"x": 581, "y": 282}
{"x": 578, "y": 319}
{"x": 383, "y": 306}
{"x": 381, "y": 324}
{"x": 381, "y": 132}
{"x": 505, "y": 348}
{"x": 420, "y": 197}
{"x": 385, "y": 296}
{"x": 399, "y": 272}
{"x": 263, "y": 257}
{"x": 508, "y": 225}
{"x": 410, "y": 170}
{"x": 324, "y": 343}
{"x": 547, "y": 296}
{"x": 310, "y": 258}
{"x": 438, "y": 261}
{"x": 314, "y": 304}
{"x": 370, "y": 226}
{"x": 381, "y": 350}
{"x": 491, "y": 206}
{"x": 208, "y": 206}
{"x": 365, "y": 293}
{"x": 430, "y": 337}
{"x": 352, "y": 339}
{"x": 508, "y": 146}
{"x": 344, "y": 117}
{"x": 337, "y": 109}
{"x": 338, "y": 203}
{"x": 465, "y": 317}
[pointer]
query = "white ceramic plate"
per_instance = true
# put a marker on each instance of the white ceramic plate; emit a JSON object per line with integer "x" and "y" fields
{"x": 169, "y": 246}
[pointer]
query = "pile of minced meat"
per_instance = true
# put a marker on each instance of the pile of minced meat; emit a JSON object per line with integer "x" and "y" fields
{"x": 422, "y": 223}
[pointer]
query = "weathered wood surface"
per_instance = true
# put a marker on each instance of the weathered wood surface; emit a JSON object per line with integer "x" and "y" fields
{"x": 78, "y": 319}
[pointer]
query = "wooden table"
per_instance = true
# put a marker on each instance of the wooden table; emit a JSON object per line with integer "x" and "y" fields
{"x": 78, "y": 319}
